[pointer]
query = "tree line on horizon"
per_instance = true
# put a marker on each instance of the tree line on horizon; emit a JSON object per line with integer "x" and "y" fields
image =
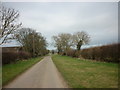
{"x": 70, "y": 45}
{"x": 66, "y": 41}
{"x": 34, "y": 44}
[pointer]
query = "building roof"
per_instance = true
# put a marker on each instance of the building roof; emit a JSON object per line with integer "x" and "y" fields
{"x": 11, "y": 44}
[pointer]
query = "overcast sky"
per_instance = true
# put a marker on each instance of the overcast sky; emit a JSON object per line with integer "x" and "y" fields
{"x": 99, "y": 20}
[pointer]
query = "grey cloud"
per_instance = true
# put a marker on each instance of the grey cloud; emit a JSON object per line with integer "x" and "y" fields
{"x": 97, "y": 19}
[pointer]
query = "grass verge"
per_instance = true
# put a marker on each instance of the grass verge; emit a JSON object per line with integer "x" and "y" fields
{"x": 87, "y": 74}
{"x": 10, "y": 71}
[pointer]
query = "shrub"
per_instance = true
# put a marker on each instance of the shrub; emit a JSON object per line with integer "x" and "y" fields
{"x": 107, "y": 53}
{"x": 77, "y": 54}
{"x": 12, "y": 56}
{"x": 71, "y": 52}
{"x": 8, "y": 57}
{"x": 24, "y": 55}
{"x": 85, "y": 54}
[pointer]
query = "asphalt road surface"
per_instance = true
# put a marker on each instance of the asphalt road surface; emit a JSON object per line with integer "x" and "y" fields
{"x": 44, "y": 74}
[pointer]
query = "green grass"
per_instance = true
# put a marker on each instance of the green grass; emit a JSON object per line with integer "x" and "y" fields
{"x": 10, "y": 71}
{"x": 87, "y": 74}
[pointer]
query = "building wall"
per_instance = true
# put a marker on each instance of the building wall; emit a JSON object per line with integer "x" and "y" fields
{"x": 11, "y": 49}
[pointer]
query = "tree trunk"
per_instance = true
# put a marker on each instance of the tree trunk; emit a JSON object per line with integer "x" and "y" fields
{"x": 79, "y": 45}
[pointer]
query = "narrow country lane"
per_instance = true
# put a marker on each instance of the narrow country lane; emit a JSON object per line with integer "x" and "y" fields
{"x": 44, "y": 74}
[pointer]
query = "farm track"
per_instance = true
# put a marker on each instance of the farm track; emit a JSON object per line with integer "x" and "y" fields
{"x": 44, "y": 74}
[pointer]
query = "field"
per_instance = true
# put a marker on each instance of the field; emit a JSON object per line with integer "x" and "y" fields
{"x": 87, "y": 74}
{"x": 10, "y": 71}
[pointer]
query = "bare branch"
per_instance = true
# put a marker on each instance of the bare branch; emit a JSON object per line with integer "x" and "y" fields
{"x": 8, "y": 19}
{"x": 80, "y": 38}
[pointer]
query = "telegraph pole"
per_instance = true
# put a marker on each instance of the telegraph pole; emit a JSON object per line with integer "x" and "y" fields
{"x": 33, "y": 46}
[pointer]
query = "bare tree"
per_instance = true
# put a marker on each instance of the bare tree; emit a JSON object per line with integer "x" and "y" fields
{"x": 80, "y": 38}
{"x": 63, "y": 42}
{"x": 8, "y": 23}
{"x": 66, "y": 41}
{"x": 57, "y": 43}
{"x": 31, "y": 41}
